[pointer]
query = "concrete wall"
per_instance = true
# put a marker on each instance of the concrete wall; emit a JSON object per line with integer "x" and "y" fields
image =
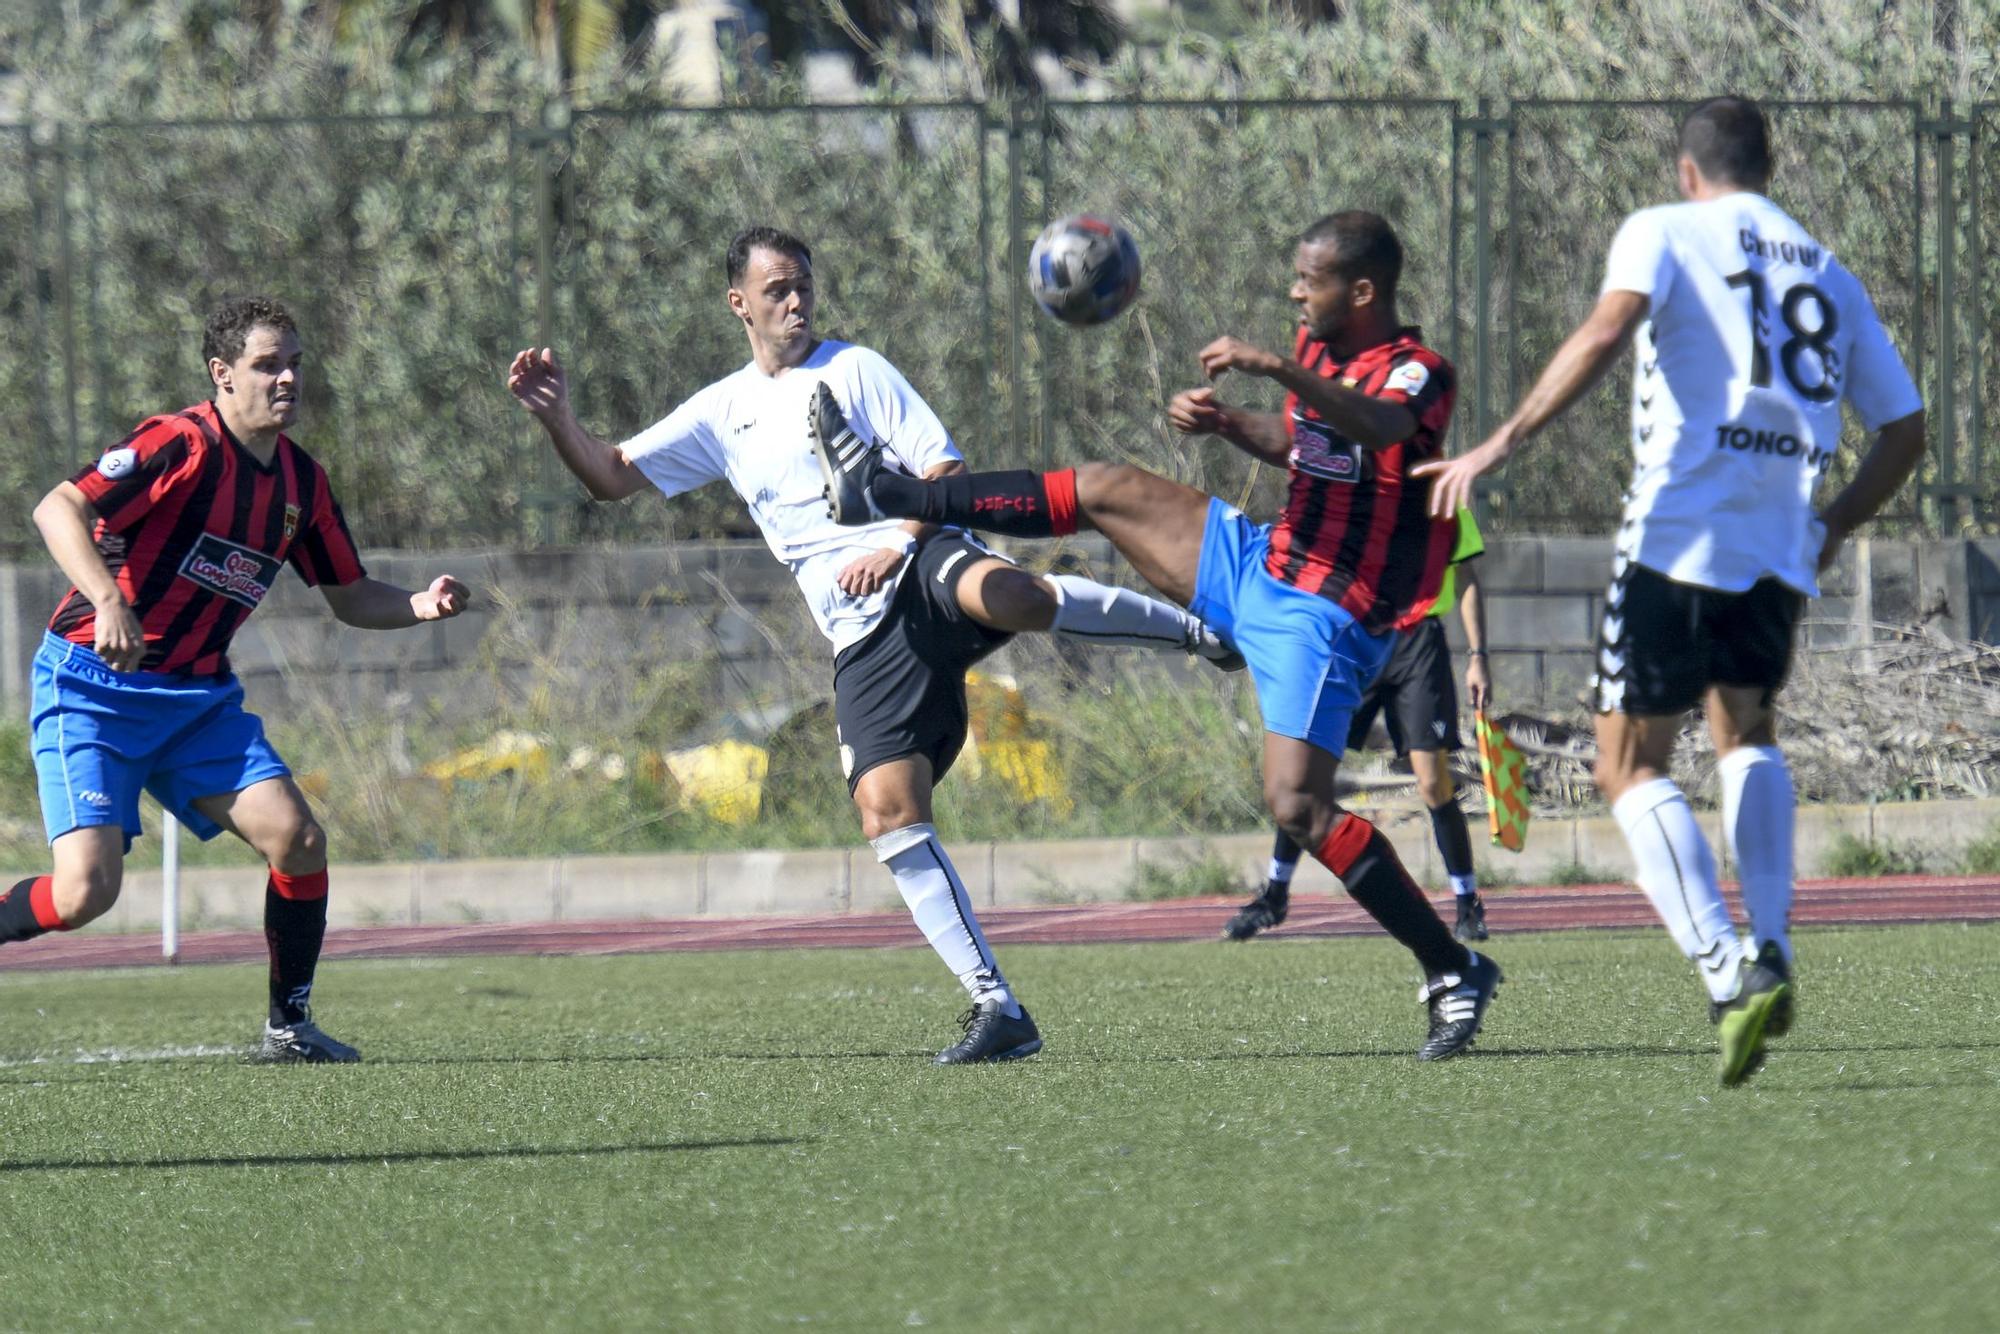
{"x": 732, "y": 602}
{"x": 842, "y": 880}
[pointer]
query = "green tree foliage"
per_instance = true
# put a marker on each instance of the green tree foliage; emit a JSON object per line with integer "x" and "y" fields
{"x": 384, "y": 171}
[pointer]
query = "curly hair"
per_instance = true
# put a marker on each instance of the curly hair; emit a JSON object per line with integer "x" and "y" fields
{"x": 229, "y": 326}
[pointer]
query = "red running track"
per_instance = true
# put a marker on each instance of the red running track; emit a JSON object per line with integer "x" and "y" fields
{"x": 1898, "y": 899}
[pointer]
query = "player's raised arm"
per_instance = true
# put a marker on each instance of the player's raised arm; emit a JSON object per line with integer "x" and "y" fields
{"x": 541, "y": 387}
{"x": 1577, "y": 365}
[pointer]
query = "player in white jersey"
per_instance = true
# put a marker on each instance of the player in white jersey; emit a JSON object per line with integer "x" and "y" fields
{"x": 908, "y": 607}
{"x": 1749, "y": 334}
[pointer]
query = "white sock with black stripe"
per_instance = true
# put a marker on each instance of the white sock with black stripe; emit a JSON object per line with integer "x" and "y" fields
{"x": 1677, "y": 871}
{"x": 1100, "y": 614}
{"x": 937, "y": 899}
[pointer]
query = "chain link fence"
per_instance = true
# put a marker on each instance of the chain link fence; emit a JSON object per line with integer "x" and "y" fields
{"x": 420, "y": 252}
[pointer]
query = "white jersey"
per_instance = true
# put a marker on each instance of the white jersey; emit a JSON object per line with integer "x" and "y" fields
{"x": 752, "y": 430}
{"x": 1755, "y": 335}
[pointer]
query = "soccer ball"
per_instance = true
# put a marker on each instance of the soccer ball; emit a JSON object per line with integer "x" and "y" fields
{"x": 1084, "y": 269}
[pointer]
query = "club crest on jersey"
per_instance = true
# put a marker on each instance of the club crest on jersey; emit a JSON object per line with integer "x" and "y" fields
{"x": 291, "y": 521}
{"x": 236, "y": 572}
{"x": 118, "y": 463}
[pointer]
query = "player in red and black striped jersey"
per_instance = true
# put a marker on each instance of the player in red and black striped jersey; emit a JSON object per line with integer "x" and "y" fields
{"x": 171, "y": 539}
{"x": 1312, "y": 603}
{"x": 194, "y": 527}
{"x": 1354, "y": 528}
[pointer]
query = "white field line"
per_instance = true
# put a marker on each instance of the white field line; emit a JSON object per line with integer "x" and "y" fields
{"x": 117, "y": 1055}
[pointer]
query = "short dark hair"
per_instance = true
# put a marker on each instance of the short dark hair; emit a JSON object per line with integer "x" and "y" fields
{"x": 762, "y": 238}
{"x": 230, "y": 325}
{"x": 1729, "y": 141}
{"x": 1364, "y": 246}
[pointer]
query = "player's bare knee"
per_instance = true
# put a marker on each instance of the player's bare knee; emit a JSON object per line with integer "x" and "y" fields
{"x": 883, "y": 816}
{"x": 1106, "y": 488}
{"x": 1298, "y": 813}
{"x": 1437, "y": 788}
{"x": 86, "y": 895}
{"x": 299, "y": 850}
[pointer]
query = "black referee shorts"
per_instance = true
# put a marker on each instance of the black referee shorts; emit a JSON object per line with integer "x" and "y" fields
{"x": 1415, "y": 694}
{"x": 901, "y": 691}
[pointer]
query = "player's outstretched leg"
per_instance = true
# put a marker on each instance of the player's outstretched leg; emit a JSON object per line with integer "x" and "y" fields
{"x": 1274, "y": 901}
{"x": 1156, "y": 523}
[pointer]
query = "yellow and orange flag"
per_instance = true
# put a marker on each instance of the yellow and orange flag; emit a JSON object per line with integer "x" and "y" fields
{"x": 1505, "y": 770}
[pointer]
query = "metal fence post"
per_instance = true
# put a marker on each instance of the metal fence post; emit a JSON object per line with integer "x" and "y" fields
{"x": 66, "y": 286}
{"x": 1484, "y": 126}
{"x": 1016, "y": 262}
{"x": 1947, "y": 492}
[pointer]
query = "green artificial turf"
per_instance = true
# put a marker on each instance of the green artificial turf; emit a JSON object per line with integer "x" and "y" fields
{"x": 1222, "y": 1137}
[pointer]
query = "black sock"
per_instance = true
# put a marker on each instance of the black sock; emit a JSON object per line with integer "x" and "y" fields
{"x": 1454, "y": 839}
{"x": 1374, "y": 876}
{"x": 293, "y": 929}
{"x": 1285, "y": 849}
{"x": 1015, "y": 503}
{"x": 18, "y": 919}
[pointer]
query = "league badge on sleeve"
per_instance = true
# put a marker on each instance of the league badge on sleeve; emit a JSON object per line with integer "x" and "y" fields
{"x": 1408, "y": 378}
{"x": 118, "y": 463}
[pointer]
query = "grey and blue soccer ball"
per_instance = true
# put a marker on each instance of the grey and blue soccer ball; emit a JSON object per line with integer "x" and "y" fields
{"x": 1084, "y": 269}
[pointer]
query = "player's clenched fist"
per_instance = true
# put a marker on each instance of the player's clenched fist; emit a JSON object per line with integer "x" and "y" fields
{"x": 444, "y": 599}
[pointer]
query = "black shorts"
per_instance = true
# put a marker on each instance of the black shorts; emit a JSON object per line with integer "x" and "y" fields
{"x": 901, "y": 691}
{"x": 1414, "y": 694}
{"x": 1663, "y": 644}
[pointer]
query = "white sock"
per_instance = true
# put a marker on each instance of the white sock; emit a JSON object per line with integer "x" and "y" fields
{"x": 1758, "y": 806}
{"x": 937, "y": 899}
{"x": 1465, "y": 886}
{"x": 1677, "y": 871}
{"x": 1100, "y": 614}
{"x": 1281, "y": 873}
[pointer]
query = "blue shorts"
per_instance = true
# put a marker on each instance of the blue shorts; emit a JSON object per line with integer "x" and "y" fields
{"x": 1310, "y": 659}
{"x": 100, "y": 737}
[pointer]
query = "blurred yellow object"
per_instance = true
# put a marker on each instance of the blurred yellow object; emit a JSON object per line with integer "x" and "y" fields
{"x": 1004, "y": 744}
{"x": 521, "y": 753}
{"x": 725, "y": 779}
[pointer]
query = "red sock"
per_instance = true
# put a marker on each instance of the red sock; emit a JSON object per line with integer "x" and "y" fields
{"x": 1374, "y": 876}
{"x": 310, "y": 885}
{"x": 42, "y": 902}
{"x": 1060, "y": 488}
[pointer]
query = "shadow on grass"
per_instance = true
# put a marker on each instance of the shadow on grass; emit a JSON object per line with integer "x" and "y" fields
{"x": 426, "y": 1156}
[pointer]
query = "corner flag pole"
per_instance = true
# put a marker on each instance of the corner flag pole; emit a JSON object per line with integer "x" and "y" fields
{"x": 170, "y": 889}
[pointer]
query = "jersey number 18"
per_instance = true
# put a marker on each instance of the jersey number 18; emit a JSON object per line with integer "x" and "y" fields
{"x": 1818, "y": 338}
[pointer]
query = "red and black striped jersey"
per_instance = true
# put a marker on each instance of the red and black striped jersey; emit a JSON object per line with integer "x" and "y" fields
{"x": 195, "y": 530}
{"x": 1355, "y": 529}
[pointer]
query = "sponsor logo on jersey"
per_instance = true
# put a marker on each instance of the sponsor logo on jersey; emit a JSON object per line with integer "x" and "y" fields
{"x": 236, "y": 572}
{"x": 1410, "y": 378}
{"x": 118, "y": 463}
{"x": 1751, "y": 440}
{"x": 1320, "y": 452}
